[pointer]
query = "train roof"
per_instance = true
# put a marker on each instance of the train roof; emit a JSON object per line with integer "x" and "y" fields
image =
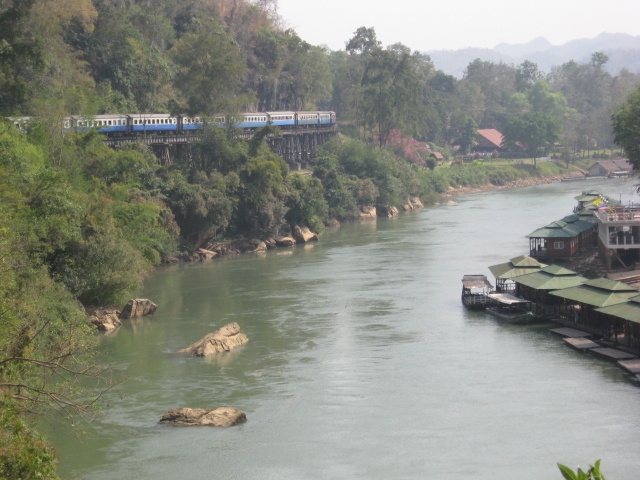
{"x": 154, "y": 115}
{"x": 97, "y": 117}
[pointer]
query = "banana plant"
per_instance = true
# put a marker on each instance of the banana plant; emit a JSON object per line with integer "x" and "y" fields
{"x": 592, "y": 474}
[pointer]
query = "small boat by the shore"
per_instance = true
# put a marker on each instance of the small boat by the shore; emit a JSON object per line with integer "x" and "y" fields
{"x": 475, "y": 292}
{"x": 511, "y": 308}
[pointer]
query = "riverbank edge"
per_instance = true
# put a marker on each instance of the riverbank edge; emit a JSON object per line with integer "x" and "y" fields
{"x": 521, "y": 182}
{"x": 239, "y": 246}
{"x": 228, "y": 246}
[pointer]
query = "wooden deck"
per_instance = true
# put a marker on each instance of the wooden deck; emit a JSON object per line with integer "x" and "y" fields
{"x": 569, "y": 332}
{"x": 631, "y": 365}
{"x": 581, "y": 343}
{"x": 613, "y": 354}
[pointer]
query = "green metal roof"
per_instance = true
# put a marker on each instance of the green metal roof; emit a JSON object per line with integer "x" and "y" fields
{"x": 586, "y": 196}
{"x": 612, "y": 285}
{"x": 571, "y": 218}
{"x": 526, "y": 261}
{"x": 553, "y": 277}
{"x": 517, "y": 266}
{"x": 628, "y": 310}
{"x": 599, "y": 292}
{"x": 562, "y": 229}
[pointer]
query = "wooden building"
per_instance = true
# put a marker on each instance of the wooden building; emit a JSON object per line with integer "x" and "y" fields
{"x": 584, "y": 299}
{"x": 438, "y": 157}
{"x": 621, "y": 322}
{"x": 536, "y": 287}
{"x": 610, "y": 168}
{"x": 475, "y": 291}
{"x": 561, "y": 239}
{"x": 488, "y": 140}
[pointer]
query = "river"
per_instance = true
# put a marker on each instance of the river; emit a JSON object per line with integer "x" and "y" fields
{"x": 362, "y": 363}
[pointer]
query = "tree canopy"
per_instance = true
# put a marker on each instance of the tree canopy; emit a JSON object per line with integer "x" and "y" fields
{"x": 626, "y": 127}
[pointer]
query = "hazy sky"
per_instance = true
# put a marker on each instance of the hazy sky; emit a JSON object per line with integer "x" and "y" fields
{"x": 453, "y": 24}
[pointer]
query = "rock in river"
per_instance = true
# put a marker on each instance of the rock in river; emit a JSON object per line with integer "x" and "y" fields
{"x": 285, "y": 241}
{"x": 104, "y": 318}
{"x": 303, "y": 234}
{"x": 138, "y": 307}
{"x": 222, "y": 340}
{"x": 220, "y": 417}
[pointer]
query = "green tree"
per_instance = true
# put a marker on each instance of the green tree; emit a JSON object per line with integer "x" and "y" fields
{"x": 23, "y": 453}
{"x": 527, "y": 74}
{"x": 307, "y": 205}
{"x": 536, "y": 131}
{"x": 210, "y": 71}
{"x": 462, "y": 131}
{"x": 364, "y": 41}
{"x": 496, "y": 82}
{"x": 626, "y": 127}
{"x": 544, "y": 101}
{"x": 391, "y": 92}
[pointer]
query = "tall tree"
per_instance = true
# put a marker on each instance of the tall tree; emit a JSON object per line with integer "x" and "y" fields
{"x": 527, "y": 74}
{"x": 391, "y": 92}
{"x": 21, "y": 57}
{"x": 210, "y": 71}
{"x": 497, "y": 83}
{"x": 536, "y": 131}
{"x": 626, "y": 127}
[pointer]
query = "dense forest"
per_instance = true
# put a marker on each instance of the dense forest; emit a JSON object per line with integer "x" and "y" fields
{"x": 81, "y": 223}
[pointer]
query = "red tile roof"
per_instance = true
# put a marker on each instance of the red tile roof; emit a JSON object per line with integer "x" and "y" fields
{"x": 438, "y": 155}
{"x": 493, "y": 135}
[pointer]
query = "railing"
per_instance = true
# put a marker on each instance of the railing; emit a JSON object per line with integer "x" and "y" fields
{"x": 619, "y": 214}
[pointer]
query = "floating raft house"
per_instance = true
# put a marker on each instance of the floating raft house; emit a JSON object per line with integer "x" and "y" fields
{"x": 475, "y": 291}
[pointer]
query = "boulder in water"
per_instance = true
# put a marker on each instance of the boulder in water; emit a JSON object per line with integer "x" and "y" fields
{"x": 105, "y": 318}
{"x": 138, "y": 307}
{"x": 303, "y": 234}
{"x": 220, "y": 417}
{"x": 285, "y": 241}
{"x": 222, "y": 340}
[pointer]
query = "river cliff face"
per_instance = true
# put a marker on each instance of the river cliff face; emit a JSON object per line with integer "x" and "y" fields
{"x": 363, "y": 363}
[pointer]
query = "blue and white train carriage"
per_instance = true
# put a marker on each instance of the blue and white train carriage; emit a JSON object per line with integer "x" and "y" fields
{"x": 152, "y": 123}
{"x": 106, "y": 124}
{"x": 164, "y": 123}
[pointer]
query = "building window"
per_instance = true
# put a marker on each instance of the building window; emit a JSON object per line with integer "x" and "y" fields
{"x": 558, "y": 245}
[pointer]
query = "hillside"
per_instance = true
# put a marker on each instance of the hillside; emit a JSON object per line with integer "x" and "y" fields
{"x": 623, "y": 51}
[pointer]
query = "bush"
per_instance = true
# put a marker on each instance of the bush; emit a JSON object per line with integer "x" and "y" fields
{"x": 23, "y": 454}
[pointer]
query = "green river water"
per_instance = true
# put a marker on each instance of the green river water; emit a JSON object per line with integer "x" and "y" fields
{"x": 362, "y": 363}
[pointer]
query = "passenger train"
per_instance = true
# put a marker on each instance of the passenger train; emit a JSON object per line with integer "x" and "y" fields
{"x": 164, "y": 123}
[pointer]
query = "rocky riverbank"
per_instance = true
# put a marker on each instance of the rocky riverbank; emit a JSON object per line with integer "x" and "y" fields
{"x": 289, "y": 235}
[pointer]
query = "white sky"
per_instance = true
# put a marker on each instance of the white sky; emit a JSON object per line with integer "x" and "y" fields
{"x": 453, "y": 24}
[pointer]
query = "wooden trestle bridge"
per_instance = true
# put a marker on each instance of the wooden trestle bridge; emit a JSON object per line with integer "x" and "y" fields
{"x": 297, "y": 147}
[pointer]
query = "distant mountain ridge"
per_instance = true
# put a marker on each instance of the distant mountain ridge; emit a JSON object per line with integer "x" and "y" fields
{"x": 623, "y": 51}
